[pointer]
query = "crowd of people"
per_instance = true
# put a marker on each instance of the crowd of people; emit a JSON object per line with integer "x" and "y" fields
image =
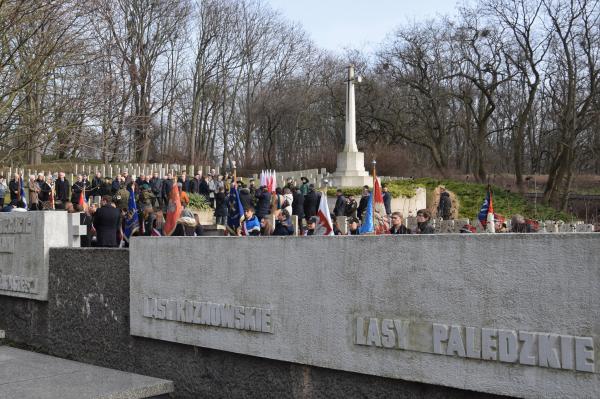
{"x": 108, "y": 206}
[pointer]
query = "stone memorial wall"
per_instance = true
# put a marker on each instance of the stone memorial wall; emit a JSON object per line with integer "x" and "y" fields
{"x": 25, "y": 240}
{"x": 506, "y": 314}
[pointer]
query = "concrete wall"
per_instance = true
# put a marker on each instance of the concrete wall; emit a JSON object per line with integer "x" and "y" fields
{"x": 505, "y": 314}
{"x": 86, "y": 318}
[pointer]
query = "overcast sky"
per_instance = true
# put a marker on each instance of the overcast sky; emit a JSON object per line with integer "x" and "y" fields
{"x": 336, "y": 24}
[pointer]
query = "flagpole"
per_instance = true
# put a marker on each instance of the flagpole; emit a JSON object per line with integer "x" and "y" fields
{"x": 374, "y": 162}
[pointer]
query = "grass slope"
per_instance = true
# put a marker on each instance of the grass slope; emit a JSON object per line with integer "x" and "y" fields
{"x": 470, "y": 197}
{"x": 506, "y": 203}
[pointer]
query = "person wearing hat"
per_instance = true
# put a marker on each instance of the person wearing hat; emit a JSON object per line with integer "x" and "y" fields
{"x": 353, "y": 225}
{"x": 311, "y": 225}
{"x": 311, "y": 202}
{"x": 304, "y": 186}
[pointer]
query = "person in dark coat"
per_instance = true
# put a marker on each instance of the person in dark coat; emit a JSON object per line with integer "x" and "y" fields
{"x": 62, "y": 191}
{"x": 245, "y": 198}
{"x": 364, "y": 202}
{"x": 397, "y": 226}
{"x": 263, "y": 197}
{"x": 387, "y": 200}
{"x": 117, "y": 184}
{"x": 423, "y": 222}
{"x": 311, "y": 202}
{"x": 167, "y": 186}
{"x": 107, "y": 221}
{"x": 195, "y": 184}
{"x": 156, "y": 185}
{"x": 298, "y": 204}
{"x": 353, "y": 226}
{"x": 77, "y": 188}
{"x": 350, "y": 208}
{"x": 444, "y": 209}
{"x": 14, "y": 186}
{"x": 45, "y": 189}
{"x": 340, "y": 204}
{"x": 203, "y": 189}
{"x": 221, "y": 206}
{"x": 185, "y": 182}
{"x": 96, "y": 185}
{"x": 283, "y": 225}
{"x": 106, "y": 187}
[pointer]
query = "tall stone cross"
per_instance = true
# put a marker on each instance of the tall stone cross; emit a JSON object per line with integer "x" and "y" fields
{"x": 350, "y": 112}
{"x": 350, "y": 171}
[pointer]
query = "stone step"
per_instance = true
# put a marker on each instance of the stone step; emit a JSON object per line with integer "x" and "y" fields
{"x": 25, "y": 374}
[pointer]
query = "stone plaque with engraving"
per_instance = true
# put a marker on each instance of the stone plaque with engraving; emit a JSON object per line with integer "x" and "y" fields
{"x": 25, "y": 240}
{"x": 511, "y": 314}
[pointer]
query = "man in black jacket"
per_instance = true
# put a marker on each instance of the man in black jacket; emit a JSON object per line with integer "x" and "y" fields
{"x": 96, "y": 185}
{"x": 298, "y": 204}
{"x": 387, "y": 200}
{"x": 107, "y": 221}
{"x": 340, "y": 203}
{"x": 78, "y": 188}
{"x": 263, "y": 197}
{"x": 203, "y": 188}
{"x": 62, "y": 191}
{"x": 167, "y": 186}
{"x": 397, "y": 226}
{"x": 364, "y": 202}
{"x": 311, "y": 202}
{"x": 195, "y": 184}
{"x": 15, "y": 187}
{"x": 156, "y": 185}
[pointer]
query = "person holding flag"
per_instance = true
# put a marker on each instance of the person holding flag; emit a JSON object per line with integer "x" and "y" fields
{"x": 82, "y": 202}
{"x": 174, "y": 209}
{"x": 132, "y": 219}
{"x": 324, "y": 225}
{"x": 375, "y": 220}
{"x": 486, "y": 213}
{"x": 236, "y": 209}
{"x": 22, "y": 195}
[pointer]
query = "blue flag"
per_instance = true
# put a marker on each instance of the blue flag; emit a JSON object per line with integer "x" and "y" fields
{"x": 132, "y": 220}
{"x": 235, "y": 210}
{"x": 368, "y": 225}
{"x": 22, "y": 193}
{"x": 485, "y": 207}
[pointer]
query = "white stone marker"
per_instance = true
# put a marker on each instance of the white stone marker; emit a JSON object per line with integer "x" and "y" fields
{"x": 25, "y": 242}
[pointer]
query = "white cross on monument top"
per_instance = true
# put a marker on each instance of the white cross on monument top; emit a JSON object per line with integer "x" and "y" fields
{"x": 350, "y": 170}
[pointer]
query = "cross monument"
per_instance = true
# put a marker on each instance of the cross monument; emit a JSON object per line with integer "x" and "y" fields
{"x": 350, "y": 170}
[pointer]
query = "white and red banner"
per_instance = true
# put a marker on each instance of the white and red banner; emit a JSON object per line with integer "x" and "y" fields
{"x": 325, "y": 226}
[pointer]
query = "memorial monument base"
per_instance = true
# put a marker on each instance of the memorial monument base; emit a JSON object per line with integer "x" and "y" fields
{"x": 351, "y": 170}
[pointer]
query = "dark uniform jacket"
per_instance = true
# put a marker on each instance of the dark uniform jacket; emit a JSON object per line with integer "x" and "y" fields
{"x": 311, "y": 204}
{"x": 264, "y": 203}
{"x": 298, "y": 205}
{"x": 14, "y": 187}
{"x": 340, "y": 206}
{"x": 106, "y": 222}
